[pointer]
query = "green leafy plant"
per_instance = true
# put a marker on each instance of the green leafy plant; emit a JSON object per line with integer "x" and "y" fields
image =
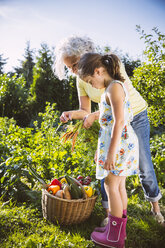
{"x": 158, "y": 157}
{"x": 149, "y": 78}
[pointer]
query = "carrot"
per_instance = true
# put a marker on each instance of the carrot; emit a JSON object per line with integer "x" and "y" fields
{"x": 67, "y": 136}
{"x": 63, "y": 136}
{"x": 71, "y": 136}
{"x": 72, "y": 133}
{"x": 74, "y": 140}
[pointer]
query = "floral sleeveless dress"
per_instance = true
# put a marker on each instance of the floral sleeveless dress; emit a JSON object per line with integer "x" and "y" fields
{"x": 127, "y": 157}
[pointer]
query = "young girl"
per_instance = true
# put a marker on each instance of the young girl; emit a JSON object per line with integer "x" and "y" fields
{"x": 117, "y": 154}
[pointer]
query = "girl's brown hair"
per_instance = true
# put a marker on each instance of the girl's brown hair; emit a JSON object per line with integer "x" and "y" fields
{"x": 90, "y": 61}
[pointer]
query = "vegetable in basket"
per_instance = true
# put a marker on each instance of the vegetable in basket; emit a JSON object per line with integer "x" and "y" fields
{"x": 60, "y": 194}
{"x": 56, "y": 182}
{"x": 53, "y": 189}
{"x": 70, "y": 191}
{"x": 84, "y": 181}
{"x": 88, "y": 191}
{"x": 75, "y": 191}
{"x": 66, "y": 191}
{"x": 63, "y": 180}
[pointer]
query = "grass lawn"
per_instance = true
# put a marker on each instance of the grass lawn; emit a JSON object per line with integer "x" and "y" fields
{"x": 22, "y": 225}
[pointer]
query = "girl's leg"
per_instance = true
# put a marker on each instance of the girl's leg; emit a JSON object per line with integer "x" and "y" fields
{"x": 105, "y": 190}
{"x": 123, "y": 192}
{"x": 115, "y": 232}
{"x": 114, "y": 194}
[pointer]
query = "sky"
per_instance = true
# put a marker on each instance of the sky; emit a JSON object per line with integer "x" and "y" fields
{"x": 106, "y": 22}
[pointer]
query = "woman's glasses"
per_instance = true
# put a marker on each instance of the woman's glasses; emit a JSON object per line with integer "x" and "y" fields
{"x": 74, "y": 66}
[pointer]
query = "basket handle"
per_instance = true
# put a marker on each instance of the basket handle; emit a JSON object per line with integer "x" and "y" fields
{"x": 76, "y": 181}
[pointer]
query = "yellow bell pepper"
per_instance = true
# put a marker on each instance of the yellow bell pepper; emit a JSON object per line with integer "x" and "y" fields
{"x": 88, "y": 191}
{"x": 63, "y": 180}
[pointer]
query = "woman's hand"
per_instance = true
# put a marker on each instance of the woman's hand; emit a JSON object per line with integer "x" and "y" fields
{"x": 89, "y": 119}
{"x": 110, "y": 162}
{"x": 66, "y": 116}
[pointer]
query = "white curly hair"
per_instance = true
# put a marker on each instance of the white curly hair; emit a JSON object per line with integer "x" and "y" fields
{"x": 71, "y": 46}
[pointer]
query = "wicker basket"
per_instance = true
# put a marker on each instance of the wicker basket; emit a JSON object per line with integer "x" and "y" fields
{"x": 66, "y": 212}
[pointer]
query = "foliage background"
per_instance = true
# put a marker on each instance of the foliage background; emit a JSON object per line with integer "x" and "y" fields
{"x": 31, "y": 101}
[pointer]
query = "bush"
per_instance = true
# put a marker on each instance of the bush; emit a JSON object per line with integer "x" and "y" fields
{"x": 149, "y": 78}
{"x": 13, "y": 99}
{"x": 158, "y": 157}
{"x": 41, "y": 148}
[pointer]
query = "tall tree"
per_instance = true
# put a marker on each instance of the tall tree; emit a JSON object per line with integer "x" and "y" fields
{"x": 26, "y": 68}
{"x": 46, "y": 87}
{"x": 2, "y": 63}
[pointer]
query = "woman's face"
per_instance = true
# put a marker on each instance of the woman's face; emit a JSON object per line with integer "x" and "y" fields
{"x": 72, "y": 63}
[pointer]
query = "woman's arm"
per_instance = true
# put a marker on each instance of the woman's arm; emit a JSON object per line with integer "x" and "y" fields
{"x": 116, "y": 97}
{"x": 85, "y": 104}
{"x": 85, "y": 109}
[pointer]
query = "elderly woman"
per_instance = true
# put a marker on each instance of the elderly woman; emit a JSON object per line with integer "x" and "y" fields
{"x": 68, "y": 53}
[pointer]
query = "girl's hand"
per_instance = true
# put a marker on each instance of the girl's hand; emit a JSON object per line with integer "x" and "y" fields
{"x": 66, "y": 116}
{"x": 109, "y": 163}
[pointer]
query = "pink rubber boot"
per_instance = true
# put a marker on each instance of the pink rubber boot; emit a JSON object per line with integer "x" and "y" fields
{"x": 114, "y": 235}
{"x": 125, "y": 223}
{"x": 125, "y": 212}
{"x": 102, "y": 229}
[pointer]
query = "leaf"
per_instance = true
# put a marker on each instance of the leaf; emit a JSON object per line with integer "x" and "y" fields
{"x": 26, "y": 174}
{"x": 2, "y": 179}
{"x": 36, "y": 175}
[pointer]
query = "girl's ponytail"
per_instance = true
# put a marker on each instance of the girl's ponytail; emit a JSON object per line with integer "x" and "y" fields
{"x": 112, "y": 64}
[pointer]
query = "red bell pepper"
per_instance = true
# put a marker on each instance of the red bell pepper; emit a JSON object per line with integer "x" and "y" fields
{"x": 56, "y": 182}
